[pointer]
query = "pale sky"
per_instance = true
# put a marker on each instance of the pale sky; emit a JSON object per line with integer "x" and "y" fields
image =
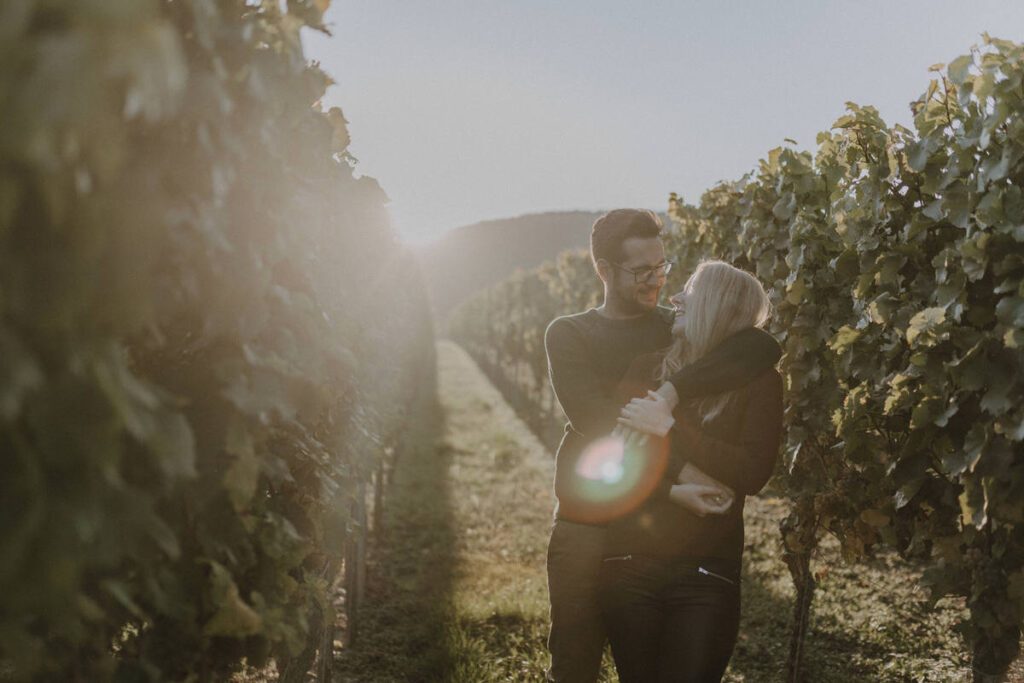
{"x": 478, "y": 109}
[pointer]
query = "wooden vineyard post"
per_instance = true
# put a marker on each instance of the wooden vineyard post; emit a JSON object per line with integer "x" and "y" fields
{"x": 326, "y": 661}
{"x": 320, "y": 646}
{"x": 355, "y": 564}
{"x": 378, "y": 495}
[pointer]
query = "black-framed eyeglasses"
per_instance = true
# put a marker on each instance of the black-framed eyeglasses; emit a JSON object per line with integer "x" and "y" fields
{"x": 644, "y": 274}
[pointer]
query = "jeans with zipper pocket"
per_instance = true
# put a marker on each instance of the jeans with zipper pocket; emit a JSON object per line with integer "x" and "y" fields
{"x": 670, "y": 619}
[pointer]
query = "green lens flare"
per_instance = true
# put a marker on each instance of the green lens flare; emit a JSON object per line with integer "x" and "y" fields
{"x": 610, "y": 480}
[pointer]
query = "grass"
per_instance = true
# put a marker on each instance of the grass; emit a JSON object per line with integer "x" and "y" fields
{"x": 458, "y": 591}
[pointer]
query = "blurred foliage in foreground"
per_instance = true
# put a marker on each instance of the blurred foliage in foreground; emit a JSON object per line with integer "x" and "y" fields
{"x": 208, "y": 338}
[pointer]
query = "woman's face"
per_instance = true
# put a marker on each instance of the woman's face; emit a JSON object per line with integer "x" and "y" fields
{"x": 678, "y": 301}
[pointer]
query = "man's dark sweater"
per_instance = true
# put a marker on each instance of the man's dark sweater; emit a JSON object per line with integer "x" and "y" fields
{"x": 588, "y": 356}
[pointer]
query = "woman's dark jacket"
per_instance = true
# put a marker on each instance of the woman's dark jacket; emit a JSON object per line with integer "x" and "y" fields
{"x": 738, "y": 447}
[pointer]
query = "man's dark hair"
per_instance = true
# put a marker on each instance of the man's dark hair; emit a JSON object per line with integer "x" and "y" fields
{"x": 617, "y": 226}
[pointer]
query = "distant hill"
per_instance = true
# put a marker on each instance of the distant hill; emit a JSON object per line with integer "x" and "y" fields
{"x": 475, "y": 256}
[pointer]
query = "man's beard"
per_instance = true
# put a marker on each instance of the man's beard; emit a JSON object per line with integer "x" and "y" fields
{"x": 632, "y": 305}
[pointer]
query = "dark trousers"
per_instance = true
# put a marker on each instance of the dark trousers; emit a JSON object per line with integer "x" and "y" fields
{"x": 577, "y": 635}
{"x": 667, "y": 620}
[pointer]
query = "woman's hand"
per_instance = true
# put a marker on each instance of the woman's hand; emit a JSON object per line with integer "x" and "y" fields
{"x": 668, "y": 391}
{"x": 650, "y": 415}
{"x": 699, "y": 499}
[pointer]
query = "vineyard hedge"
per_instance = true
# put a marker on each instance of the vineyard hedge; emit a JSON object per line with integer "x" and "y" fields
{"x": 209, "y": 338}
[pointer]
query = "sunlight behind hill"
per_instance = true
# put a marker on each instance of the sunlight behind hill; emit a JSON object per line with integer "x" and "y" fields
{"x": 475, "y": 256}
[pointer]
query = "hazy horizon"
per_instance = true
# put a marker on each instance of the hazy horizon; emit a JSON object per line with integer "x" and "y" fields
{"x": 466, "y": 112}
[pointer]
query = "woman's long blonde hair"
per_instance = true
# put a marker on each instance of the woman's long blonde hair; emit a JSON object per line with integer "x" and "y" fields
{"x": 720, "y": 301}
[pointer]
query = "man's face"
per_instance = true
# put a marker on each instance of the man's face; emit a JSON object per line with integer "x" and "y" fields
{"x": 640, "y": 255}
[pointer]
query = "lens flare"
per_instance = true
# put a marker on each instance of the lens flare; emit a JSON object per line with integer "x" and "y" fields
{"x": 611, "y": 472}
{"x": 610, "y": 480}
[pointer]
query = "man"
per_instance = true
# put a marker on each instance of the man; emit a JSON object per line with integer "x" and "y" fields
{"x": 588, "y": 355}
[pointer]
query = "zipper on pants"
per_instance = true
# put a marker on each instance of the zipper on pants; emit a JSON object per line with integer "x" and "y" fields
{"x": 705, "y": 572}
{"x": 618, "y": 557}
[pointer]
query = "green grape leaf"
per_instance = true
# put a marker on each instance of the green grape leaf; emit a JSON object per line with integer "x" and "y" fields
{"x": 959, "y": 69}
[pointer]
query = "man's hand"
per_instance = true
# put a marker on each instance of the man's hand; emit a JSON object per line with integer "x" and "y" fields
{"x": 631, "y": 439}
{"x": 650, "y": 415}
{"x": 699, "y": 499}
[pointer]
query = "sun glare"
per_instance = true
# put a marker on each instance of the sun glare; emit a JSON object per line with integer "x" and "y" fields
{"x": 610, "y": 480}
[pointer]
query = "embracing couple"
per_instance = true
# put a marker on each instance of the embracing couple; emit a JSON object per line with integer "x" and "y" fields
{"x": 674, "y": 417}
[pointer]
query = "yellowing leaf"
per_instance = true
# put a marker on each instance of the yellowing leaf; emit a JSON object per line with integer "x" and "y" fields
{"x": 924, "y": 322}
{"x": 843, "y": 338}
{"x": 233, "y": 617}
{"x": 795, "y": 292}
{"x": 875, "y": 518}
{"x": 241, "y": 479}
{"x": 340, "y": 139}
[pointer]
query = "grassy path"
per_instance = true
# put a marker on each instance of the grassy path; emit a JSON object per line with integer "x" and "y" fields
{"x": 458, "y": 590}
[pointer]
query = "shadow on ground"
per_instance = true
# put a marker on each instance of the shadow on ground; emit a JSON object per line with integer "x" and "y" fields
{"x": 870, "y": 621}
{"x": 762, "y": 648}
{"x": 457, "y": 593}
{"x": 408, "y": 603}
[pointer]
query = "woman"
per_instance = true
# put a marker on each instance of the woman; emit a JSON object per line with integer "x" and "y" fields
{"x": 671, "y": 571}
